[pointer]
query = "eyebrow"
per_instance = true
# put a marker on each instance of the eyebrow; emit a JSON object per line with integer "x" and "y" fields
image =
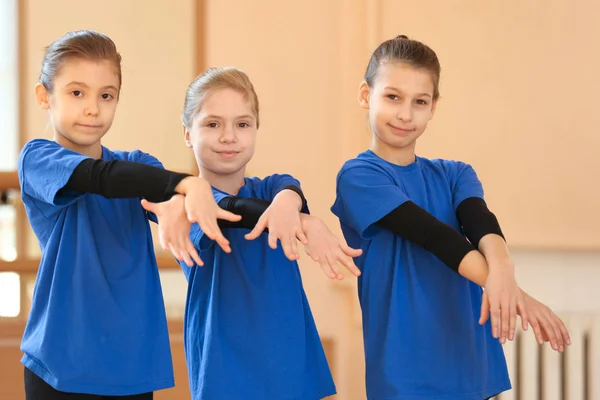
{"x": 400, "y": 91}
{"x": 212, "y": 116}
{"x": 86, "y": 86}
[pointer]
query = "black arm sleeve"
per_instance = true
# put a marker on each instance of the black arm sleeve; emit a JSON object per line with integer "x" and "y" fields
{"x": 477, "y": 220}
{"x": 301, "y": 194}
{"x": 124, "y": 179}
{"x": 413, "y": 223}
{"x": 250, "y": 210}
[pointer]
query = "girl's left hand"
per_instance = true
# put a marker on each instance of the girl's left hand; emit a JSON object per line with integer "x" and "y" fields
{"x": 325, "y": 248}
{"x": 282, "y": 218}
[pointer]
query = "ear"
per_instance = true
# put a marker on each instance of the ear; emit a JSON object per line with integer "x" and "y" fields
{"x": 186, "y": 137}
{"x": 363, "y": 95}
{"x": 42, "y": 96}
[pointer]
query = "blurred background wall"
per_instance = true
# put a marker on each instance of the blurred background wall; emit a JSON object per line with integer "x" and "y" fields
{"x": 519, "y": 94}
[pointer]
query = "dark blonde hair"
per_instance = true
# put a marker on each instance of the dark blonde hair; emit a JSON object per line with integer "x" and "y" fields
{"x": 217, "y": 78}
{"x": 84, "y": 44}
{"x": 409, "y": 51}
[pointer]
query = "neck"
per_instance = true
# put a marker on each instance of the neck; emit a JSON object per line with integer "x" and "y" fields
{"x": 93, "y": 150}
{"x": 402, "y": 156}
{"x": 228, "y": 183}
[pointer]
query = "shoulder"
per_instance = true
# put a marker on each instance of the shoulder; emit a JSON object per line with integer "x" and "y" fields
{"x": 39, "y": 145}
{"x": 453, "y": 169}
{"x": 365, "y": 166}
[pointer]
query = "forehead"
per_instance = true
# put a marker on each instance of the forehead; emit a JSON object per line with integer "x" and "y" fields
{"x": 404, "y": 77}
{"x": 226, "y": 102}
{"x": 93, "y": 73}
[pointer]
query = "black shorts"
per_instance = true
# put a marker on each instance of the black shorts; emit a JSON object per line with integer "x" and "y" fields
{"x": 37, "y": 389}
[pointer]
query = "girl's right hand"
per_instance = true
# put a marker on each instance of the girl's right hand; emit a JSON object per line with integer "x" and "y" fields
{"x": 174, "y": 229}
{"x": 547, "y": 327}
{"x": 201, "y": 207}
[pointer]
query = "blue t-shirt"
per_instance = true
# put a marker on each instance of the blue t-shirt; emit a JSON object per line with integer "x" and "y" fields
{"x": 97, "y": 323}
{"x": 420, "y": 319}
{"x": 249, "y": 331}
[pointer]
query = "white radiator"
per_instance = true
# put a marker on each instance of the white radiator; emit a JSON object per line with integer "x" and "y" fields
{"x": 539, "y": 373}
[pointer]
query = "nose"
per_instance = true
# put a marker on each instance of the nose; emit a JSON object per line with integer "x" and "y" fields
{"x": 405, "y": 112}
{"x": 228, "y": 135}
{"x": 91, "y": 108}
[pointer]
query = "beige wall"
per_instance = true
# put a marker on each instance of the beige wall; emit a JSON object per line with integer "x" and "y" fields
{"x": 520, "y": 92}
{"x": 518, "y": 97}
{"x": 156, "y": 41}
{"x": 305, "y": 60}
{"x": 516, "y": 104}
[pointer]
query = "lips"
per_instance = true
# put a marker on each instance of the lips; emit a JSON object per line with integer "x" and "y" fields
{"x": 228, "y": 153}
{"x": 400, "y": 131}
{"x": 90, "y": 126}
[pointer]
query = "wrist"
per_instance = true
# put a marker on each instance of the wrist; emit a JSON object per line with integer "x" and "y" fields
{"x": 291, "y": 196}
{"x": 474, "y": 267}
{"x": 187, "y": 184}
{"x": 306, "y": 220}
{"x": 504, "y": 265}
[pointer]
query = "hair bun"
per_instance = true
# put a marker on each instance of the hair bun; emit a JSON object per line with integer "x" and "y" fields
{"x": 400, "y": 37}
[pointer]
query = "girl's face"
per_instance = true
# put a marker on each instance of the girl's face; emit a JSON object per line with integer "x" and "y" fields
{"x": 223, "y": 133}
{"x": 400, "y": 105}
{"x": 83, "y": 102}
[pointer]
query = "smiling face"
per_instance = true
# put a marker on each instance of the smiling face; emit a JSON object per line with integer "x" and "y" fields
{"x": 223, "y": 133}
{"x": 82, "y": 102}
{"x": 401, "y": 103}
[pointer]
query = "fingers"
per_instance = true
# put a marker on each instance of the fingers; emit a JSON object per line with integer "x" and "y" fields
{"x": 555, "y": 325}
{"x": 548, "y": 329}
{"x": 504, "y": 319}
{"x": 228, "y": 216}
{"x": 272, "y": 240}
{"x": 222, "y": 241}
{"x": 564, "y": 332}
{"x": 294, "y": 246}
{"x": 349, "y": 251}
{"x": 193, "y": 252}
{"x": 495, "y": 313}
{"x": 149, "y": 206}
{"x": 348, "y": 263}
{"x": 258, "y": 229}
{"x": 485, "y": 309}
{"x": 301, "y": 236}
{"x": 537, "y": 330}
{"x": 334, "y": 267}
{"x": 175, "y": 253}
{"x": 180, "y": 250}
{"x": 512, "y": 320}
{"x": 212, "y": 230}
{"x": 522, "y": 310}
{"x": 310, "y": 254}
{"x": 287, "y": 246}
{"x": 327, "y": 269}
{"x": 186, "y": 256}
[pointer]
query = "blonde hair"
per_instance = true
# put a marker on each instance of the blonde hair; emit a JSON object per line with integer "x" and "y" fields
{"x": 217, "y": 78}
